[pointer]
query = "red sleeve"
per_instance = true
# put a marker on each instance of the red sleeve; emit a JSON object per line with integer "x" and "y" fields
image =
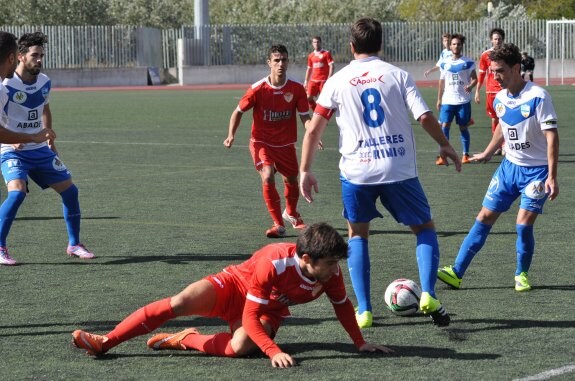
{"x": 329, "y": 58}
{"x": 483, "y": 66}
{"x": 335, "y": 291}
{"x": 257, "y": 300}
{"x": 325, "y": 112}
{"x": 248, "y": 100}
{"x": 309, "y": 63}
{"x": 255, "y": 330}
{"x": 302, "y": 104}
{"x": 346, "y": 316}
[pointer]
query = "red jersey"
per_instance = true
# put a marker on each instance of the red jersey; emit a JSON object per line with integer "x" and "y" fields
{"x": 319, "y": 63}
{"x": 274, "y": 281}
{"x": 275, "y": 108}
{"x": 491, "y": 86}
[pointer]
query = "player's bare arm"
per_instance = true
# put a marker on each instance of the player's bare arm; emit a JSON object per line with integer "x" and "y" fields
{"x": 551, "y": 184}
{"x": 440, "y": 88}
{"x": 432, "y": 127}
{"x": 494, "y": 144}
{"x": 9, "y": 137}
{"x": 235, "y": 120}
{"x": 309, "y": 146}
{"x": 473, "y": 82}
{"x": 47, "y": 123}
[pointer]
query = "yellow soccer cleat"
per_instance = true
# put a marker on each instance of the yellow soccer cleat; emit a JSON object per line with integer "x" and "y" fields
{"x": 365, "y": 319}
{"x": 522, "y": 283}
{"x": 448, "y": 276}
{"x": 432, "y": 307}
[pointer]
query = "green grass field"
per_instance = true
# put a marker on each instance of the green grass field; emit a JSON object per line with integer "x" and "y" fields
{"x": 164, "y": 203}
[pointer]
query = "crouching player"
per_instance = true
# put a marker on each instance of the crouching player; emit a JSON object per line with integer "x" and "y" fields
{"x": 253, "y": 297}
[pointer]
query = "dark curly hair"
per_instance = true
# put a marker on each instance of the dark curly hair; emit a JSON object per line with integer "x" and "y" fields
{"x": 508, "y": 53}
{"x": 27, "y": 40}
{"x": 321, "y": 241}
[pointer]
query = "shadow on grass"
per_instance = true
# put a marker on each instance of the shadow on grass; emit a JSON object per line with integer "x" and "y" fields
{"x": 61, "y": 218}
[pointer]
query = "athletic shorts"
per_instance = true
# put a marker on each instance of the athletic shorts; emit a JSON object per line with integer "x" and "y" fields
{"x": 404, "y": 200}
{"x": 314, "y": 88}
{"x": 511, "y": 181}
{"x": 489, "y": 110}
{"x": 283, "y": 159}
{"x": 231, "y": 298}
{"x": 42, "y": 165}
{"x": 462, "y": 114}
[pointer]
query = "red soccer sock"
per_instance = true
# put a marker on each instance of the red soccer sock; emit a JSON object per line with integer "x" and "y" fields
{"x": 291, "y": 193}
{"x": 219, "y": 344}
{"x": 272, "y": 199}
{"x": 141, "y": 322}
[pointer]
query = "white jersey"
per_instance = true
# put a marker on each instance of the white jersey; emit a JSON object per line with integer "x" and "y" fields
{"x": 523, "y": 120}
{"x": 25, "y": 107}
{"x": 456, "y": 73}
{"x": 445, "y": 53}
{"x": 371, "y": 99}
{"x": 3, "y": 105}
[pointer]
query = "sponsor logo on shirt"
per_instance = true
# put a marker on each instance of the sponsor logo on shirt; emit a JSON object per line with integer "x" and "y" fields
{"x": 274, "y": 116}
{"x": 525, "y": 110}
{"x": 364, "y": 79}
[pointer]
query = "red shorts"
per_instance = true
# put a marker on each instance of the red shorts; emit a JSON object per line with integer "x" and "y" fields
{"x": 283, "y": 159}
{"x": 314, "y": 88}
{"x": 231, "y": 298}
{"x": 490, "y": 97}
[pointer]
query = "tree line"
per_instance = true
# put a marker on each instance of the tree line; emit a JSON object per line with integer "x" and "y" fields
{"x": 175, "y": 13}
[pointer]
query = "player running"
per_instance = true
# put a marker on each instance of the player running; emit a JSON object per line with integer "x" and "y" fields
{"x": 275, "y": 101}
{"x": 253, "y": 297}
{"x": 528, "y": 125}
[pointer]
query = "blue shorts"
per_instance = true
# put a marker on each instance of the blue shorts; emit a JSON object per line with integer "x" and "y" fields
{"x": 511, "y": 181}
{"x": 404, "y": 200}
{"x": 462, "y": 114}
{"x": 42, "y": 165}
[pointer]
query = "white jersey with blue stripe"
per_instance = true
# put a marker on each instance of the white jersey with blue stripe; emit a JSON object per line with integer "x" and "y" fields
{"x": 3, "y": 104}
{"x": 445, "y": 53}
{"x": 523, "y": 119}
{"x": 25, "y": 107}
{"x": 373, "y": 99}
{"x": 456, "y": 73}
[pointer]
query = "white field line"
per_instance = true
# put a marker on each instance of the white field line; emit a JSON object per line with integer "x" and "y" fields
{"x": 549, "y": 373}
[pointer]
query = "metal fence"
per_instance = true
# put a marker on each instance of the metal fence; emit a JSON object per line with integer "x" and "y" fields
{"x": 117, "y": 46}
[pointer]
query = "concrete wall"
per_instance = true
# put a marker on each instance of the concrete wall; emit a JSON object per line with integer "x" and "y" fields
{"x": 235, "y": 74}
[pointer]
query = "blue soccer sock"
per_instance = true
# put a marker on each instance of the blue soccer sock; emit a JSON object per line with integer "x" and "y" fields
{"x": 427, "y": 253}
{"x": 471, "y": 245}
{"x": 8, "y": 212}
{"x": 445, "y": 130}
{"x": 465, "y": 140}
{"x": 359, "y": 271}
{"x": 525, "y": 247}
{"x": 72, "y": 215}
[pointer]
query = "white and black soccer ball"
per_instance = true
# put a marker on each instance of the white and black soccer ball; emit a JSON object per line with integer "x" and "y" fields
{"x": 402, "y": 297}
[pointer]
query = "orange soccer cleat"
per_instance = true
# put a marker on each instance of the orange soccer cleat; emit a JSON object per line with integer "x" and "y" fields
{"x": 170, "y": 340}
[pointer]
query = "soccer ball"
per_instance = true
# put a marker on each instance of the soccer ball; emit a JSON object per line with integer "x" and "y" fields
{"x": 402, "y": 297}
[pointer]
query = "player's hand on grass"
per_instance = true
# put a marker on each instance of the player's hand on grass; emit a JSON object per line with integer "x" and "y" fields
{"x": 367, "y": 347}
{"x": 283, "y": 360}
{"x": 307, "y": 182}
{"x": 229, "y": 142}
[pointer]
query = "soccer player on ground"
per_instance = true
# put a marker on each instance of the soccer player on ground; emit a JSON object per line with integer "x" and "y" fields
{"x": 253, "y": 297}
{"x": 492, "y": 87}
{"x": 276, "y": 100}
{"x": 528, "y": 125}
{"x": 29, "y": 112}
{"x": 320, "y": 67}
{"x": 454, "y": 94}
{"x": 527, "y": 66}
{"x": 445, "y": 53}
{"x": 372, "y": 101}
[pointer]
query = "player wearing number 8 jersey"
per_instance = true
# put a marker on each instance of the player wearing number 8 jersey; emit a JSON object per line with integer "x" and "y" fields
{"x": 371, "y": 100}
